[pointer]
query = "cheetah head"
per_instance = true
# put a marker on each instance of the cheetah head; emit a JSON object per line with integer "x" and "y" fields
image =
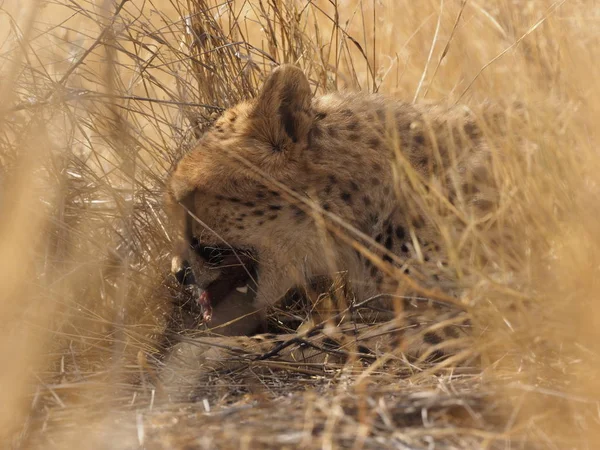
{"x": 223, "y": 196}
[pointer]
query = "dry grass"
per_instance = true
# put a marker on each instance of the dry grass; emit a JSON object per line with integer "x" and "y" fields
{"x": 99, "y": 99}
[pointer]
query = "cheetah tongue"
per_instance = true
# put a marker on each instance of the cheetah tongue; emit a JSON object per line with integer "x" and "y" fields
{"x": 204, "y": 300}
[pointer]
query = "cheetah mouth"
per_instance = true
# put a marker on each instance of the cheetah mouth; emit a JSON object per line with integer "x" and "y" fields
{"x": 238, "y": 272}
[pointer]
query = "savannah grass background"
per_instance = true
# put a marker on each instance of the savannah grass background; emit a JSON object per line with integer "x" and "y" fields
{"x": 98, "y": 99}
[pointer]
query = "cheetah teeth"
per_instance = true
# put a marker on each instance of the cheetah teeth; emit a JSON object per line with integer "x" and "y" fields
{"x": 242, "y": 289}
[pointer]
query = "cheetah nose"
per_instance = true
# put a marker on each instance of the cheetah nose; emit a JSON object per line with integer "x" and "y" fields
{"x": 184, "y": 274}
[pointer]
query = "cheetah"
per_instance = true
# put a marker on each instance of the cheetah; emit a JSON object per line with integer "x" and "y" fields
{"x": 290, "y": 186}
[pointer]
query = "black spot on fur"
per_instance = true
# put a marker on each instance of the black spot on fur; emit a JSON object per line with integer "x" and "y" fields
{"x": 423, "y": 161}
{"x": 250, "y": 204}
{"x": 375, "y": 181}
{"x": 400, "y": 233}
{"x": 387, "y": 258}
{"x": 353, "y": 125}
{"x": 354, "y": 186}
{"x": 418, "y": 222}
{"x": 366, "y": 201}
{"x": 389, "y": 242}
{"x": 346, "y": 197}
{"x": 258, "y": 212}
{"x": 274, "y": 193}
{"x": 451, "y": 332}
{"x": 332, "y": 179}
{"x": 354, "y": 137}
{"x": 469, "y": 189}
{"x": 234, "y": 199}
{"x": 379, "y": 238}
{"x": 419, "y": 138}
{"x": 472, "y": 130}
{"x": 298, "y": 213}
{"x": 260, "y": 195}
{"x": 274, "y": 207}
{"x": 374, "y": 142}
{"x": 332, "y": 131}
{"x": 272, "y": 217}
{"x": 326, "y": 206}
{"x": 320, "y": 115}
{"x": 432, "y": 338}
{"x": 404, "y": 248}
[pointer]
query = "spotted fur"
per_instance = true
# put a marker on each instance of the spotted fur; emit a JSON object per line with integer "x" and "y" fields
{"x": 299, "y": 180}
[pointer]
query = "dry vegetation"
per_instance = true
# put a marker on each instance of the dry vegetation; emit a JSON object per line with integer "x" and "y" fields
{"x": 97, "y": 101}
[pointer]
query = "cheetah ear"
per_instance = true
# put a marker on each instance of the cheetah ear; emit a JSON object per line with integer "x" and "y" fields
{"x": 281, "y": 114}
